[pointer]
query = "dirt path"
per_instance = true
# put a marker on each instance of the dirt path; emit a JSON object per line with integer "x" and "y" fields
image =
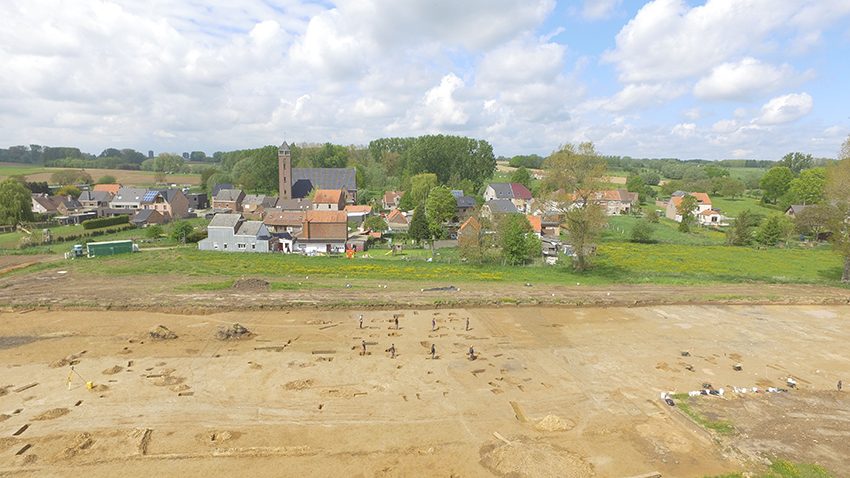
{"x": 574, "y": 390}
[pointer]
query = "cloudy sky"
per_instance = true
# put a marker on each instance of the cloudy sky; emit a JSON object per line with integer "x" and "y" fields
{"x": 668, "y": 78}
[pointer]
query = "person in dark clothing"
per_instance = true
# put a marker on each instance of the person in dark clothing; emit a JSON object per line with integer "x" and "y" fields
{"x": 363, "y": 344}
{"x": 396, "y": 323}
{"x": 467, "y": 324}
{"x": 433, "y": 325}
{"x": 471, "y": 353}
{"x": 433, "y": 351}
{"x": 392, "y": 351}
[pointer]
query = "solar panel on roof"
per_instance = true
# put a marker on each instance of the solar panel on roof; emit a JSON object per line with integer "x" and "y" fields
{"x": 150, "y": 195}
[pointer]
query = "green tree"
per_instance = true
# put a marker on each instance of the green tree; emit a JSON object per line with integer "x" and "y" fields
{"x": 715, "y": 171}
{"x": 375, "y": 223}
{"x": 731, "y": 187}
{"x": 838, "y": 207}
{"x": 69, "y": 190}
{"x": 15, "y": 203}
{"x": 419, "y": 230}
{"x": 70, "y": 176}
{"x": 180, "y": 230}
{"x": 651, "y": 178}
{"x": 517, "y": 239}
{"x": 808, "y": 188}
{"x": 812, "y": 221}
{"x": 796, "y": 162}
{"x": 774, "y": 229}
{"x": 642, "y": 232}
{"x": 686, "y": 209}
{"x": 775, "y": 183}
{"x": 440, "y": 207}
{"x": 741, "y": 232}
{"x": 107, "y": 179}
{"x": 420, "y": 187}
{"x": 154, "y": 231}
{"x": 575, "y": 175}
{"x": 521, "y": 176}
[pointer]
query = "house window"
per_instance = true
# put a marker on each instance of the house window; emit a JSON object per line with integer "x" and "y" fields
{"x": 240, "y": 245}
{"x": 215, "y": 245}
{"x": 225, "y": 246}
{"x": 253, "y": 246}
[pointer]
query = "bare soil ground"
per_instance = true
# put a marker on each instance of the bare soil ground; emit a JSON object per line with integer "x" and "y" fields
{"x": 806, "y": 426}
{"x": 126, "y": 177}
{"x": 572, "y": 391}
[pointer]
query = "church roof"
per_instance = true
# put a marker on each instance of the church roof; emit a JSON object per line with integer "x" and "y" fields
{"x": 305, "y": 180}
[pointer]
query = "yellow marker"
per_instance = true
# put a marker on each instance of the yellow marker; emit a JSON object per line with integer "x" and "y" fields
{"x": 89, "y": 385}
{"x": 70, "y": 376}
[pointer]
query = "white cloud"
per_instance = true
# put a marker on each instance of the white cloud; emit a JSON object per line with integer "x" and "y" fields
{"x": 669, "y": 40}
{"x": 684, "y": 130}
{"x": 785, "y": 109}
{"x": 743, "y": 79}
{"x": 725, "y": 126}
{"x": 599, "y": 9}
{"x": 440, "y": 106}
{"x": 641, "y": 95}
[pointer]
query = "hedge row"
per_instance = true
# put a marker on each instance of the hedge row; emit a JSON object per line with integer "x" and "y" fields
{"x": 106, "y": 221}
{"x": 75, "y": 237}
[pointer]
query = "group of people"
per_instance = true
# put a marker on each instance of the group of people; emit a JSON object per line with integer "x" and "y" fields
{"x": 392, "y": 350}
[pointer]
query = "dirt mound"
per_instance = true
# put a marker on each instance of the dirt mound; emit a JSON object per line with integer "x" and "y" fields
{"x": 299, "y": 384}
{"x": 168, "y": 381}
{"x": 162, "y": 332}
{"x": 235, "y": 331}
{"x": 522, "y": 458}
{"x": 5, "y": 390}
{"x": 112, "y": 370}
{"x": 81, "y": 442}
{"x": 249, "y": 285}
{"x": 100, "y": 388}
{"x": 69, "y": 360}
{"x": 554, "y": 423}
{"x": 51, "y": 414}
{"x": 4, "y": 417}
{"x": 180, "y": 388}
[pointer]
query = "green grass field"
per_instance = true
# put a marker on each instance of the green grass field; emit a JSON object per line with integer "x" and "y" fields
{"x": 617, "y": 262}
{"x": 664, "y": 232}
{"x": 10, "y": 241}
{"x": 733, "y": 207}
{"x": 14, "y": 169}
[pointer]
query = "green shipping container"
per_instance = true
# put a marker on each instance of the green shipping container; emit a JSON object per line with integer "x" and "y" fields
{"x": 97, "y": 249}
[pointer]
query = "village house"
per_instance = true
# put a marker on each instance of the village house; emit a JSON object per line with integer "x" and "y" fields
{"x": 228, "y": 200}
{"x": 536, "y": 224}
{"x": 495, "y": 207}
{"x": 95, "y": 199}
{"x": 358, "y": 213}
{"x": 470, "y": 230}
{"x": 146, "y": 217}
{"x": 329, "y": 200}
{"x": 232, "y": 233}
{"x": 516, "y": 193}
{"x": 128, "y": 198}
{"x": 672, "y": 210}
{"x": 197, "y": 200}
{"x": 170, "y": 203}
{"x": 711, "y": 217}
{"x": 397, "y": 221}
{"x": 465, "y": 205}
{"x": 391, "y": 200}
{"x": 550, "y": 225}
{"x": 323, "y": 232}
{"x": 794, "y": 210}
{"x": 301, "y": 204}
{"x": 617, "y": 201}
{"x": 278, "y": 221}
{"x": 111, "y": 188}
{"x": 256, "y": 204}
{"x": 54, "y": 205}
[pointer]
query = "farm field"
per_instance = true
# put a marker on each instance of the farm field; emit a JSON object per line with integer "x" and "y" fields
{"x": 560, "y": 392}
{"x": 130, "y": 178}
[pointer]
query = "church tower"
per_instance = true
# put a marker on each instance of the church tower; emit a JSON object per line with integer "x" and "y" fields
{"x": 284, "y": 165}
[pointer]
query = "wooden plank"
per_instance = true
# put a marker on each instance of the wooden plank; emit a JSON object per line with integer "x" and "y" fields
{"x": 26, "y": 387}
{"x": 520, "y": 415}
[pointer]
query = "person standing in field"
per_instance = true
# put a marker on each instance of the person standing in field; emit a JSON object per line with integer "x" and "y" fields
{"x": 396, "y": 323}
{"x": 467, "y": 324}
{"x": 433, "y": 351}
{"x": 363, "y": 344}
{"x": 433, "y": 325}
{"x": 392, "y": 351}
{"x": 361, "y": 321}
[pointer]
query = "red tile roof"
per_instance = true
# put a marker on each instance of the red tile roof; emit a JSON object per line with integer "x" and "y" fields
{"x": 328, "y": 196}
{"x": 536, "y": 223}
{"x": 520, "y": 192}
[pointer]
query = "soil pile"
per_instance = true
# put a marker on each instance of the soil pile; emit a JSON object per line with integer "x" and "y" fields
{"x": 249, "y": 285}
{"x": 162, "y": 332}
{"x": 51, "y": 414}
{"x": 554, "y": 423}
{"x": 235, "y": 331}
{"x": 112, "y": 370}
{"x": 531, "y": 459}
{"x": 299, "y": 384}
